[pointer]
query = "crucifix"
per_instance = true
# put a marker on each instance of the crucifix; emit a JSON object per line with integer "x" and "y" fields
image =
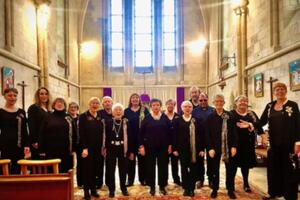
{"x": 271, "y": 81}
{"x": 23, "y": 85}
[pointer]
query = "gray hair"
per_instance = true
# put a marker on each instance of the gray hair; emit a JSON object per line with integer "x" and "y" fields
{"x": 195, "y": 87}
{"x": 186, "y": 103}
{"x": 221, "y": 96}
{"x": 107, "y": 97}
{"x": 94, "y": 99}
{"x": 117, "y": 105}
{"x": 240, "y": 97}
{"x": 170, "y": 101}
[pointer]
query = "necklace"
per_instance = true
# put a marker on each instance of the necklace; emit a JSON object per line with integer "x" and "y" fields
{"x": 187, "y": 119}
{"x": 115, "y": 124}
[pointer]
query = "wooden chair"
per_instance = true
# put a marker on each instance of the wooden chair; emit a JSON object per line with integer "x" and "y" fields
{"x": 4, "y": 163}
{"x": 39, "y": 166}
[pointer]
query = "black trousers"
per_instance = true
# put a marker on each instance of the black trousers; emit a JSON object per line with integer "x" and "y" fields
{"x": 230, "y": 173}
{"x": 113, "y": 154}
{"x": 34, "y": 153}
{"x": 13, "y": 153}
{"x": 174, "y": 167}
{"x": 91, "y": 168}
{"x": 200, "y": 168}
{"x": 132, "y": 168}
{"x": 66, "y": 160}
{"x": 280, "y": 174}
{"x": 79, "y": 167}
{"x": 208, "y": 167}
{"x": 161, "y": 157}
{"x": 188, "y": 171}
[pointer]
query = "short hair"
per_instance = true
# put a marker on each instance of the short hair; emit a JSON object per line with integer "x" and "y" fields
{"x": 134, "y": 94}
{"x": 279, "y": 84}
{"x": 59, "y": 99}
{"x": 74, "y": 104}
{"x": 154, "y": 100}
{"x": 94, "y": 99}
{"x": 240, "y": 97}
{"x": 219, "y": 96}
{"x": 170, "y": 101}
{"x": 186, "y": 103}
{"x": 37, "y": 96}
{"x": 195, "y": 87}
{"x": 7, "y": 90}
{"x": 203, "y": 94}
{"x": 117, "y": 105}
{"x": 106, "y": 97}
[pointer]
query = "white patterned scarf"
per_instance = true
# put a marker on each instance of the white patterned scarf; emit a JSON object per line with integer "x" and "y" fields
{"x": 224, "y": 155}
{"x": 193, "y": 140}
{"x": 69, "y": 120}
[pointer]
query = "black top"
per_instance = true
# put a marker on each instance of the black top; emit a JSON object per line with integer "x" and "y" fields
{"x": 194, "y": 106}
{"x": 246, "y": 140}
{"x": 36, "y": 116}
{"x": 104, "y": 114}
{"x": 75, "y": 126}
{"x": 284, "y": 125}
{"x": 134, "y": 120}
{"x": 9, "y": 129}
{"x": 171, "y": 122}
{"x": 90, "y": 131}
{"x": 155, "y": 134}
{"x": 182, "y": 135}
{"x": 55, "y": 133}
{"x": 213, "y": 132}
{"x": 114, "y": 133}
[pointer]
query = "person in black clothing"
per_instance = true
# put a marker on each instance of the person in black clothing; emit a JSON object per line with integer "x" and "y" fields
{"x": 283, "y": 118}
{"x": 14, "y": 142}
{"x": 91, "y": 139}
{"x": 194, "y": 96}
{"x": 107, "y": 103}
{"x": 188, "y": 145}
{"x": 221, "y": 141}
{"x": 172, "y": 116}
{"x": 245, "y": 121}
{"x": 135, "y": 113}
{"x": 73, "y": 109}
{"x": 56, "y": 133}
{"x": 116, "y": 146}
{"x": 37, "y": 113}
{"x": 155, "y": 144}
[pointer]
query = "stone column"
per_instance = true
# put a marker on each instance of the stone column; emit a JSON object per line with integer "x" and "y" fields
{"x": 275, "y": 39}
{"x": 244, "y": 49}
{"x": 8, "y": 24}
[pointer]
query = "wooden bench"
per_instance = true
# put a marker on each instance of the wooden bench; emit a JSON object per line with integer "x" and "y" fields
{"x": 4, "y": 163}
{"x": 37, "y": 187}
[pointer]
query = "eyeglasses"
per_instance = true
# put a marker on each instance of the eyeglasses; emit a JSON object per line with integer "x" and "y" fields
{"x": 203, "y": 100}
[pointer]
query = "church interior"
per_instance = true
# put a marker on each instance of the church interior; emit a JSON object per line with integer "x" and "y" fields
{"x": 80, "y": 49}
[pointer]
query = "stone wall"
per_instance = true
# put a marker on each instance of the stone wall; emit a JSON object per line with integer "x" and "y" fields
{"x": 262, "y": 56}
{"x": 23, "y": 57}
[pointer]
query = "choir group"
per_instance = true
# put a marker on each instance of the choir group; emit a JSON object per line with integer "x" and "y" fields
{"x": 152, "y": 137}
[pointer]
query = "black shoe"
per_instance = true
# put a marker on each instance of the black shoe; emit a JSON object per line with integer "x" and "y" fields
{"x": 98, "y": 187}
{"x": 111, "y": 194}
{"x": 214, "y": 194}
{"x": 247, "y": 189}
{"x": 163, "y": 191}
{"x": 125, "y": 193}
{"x": 186, "y": 193}
{"x": 231, "y": 195}
{"x": 87, "y": 195}
{"x": 152, "y": 191}
{"x": 199, "y": 184}
{"x": 192, "y": 193}
{"x": 94, "y": 193}
{"x": 210, "y": 184}
{"x": 143, "y": 183}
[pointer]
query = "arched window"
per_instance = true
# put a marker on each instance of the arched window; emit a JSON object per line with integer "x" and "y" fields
{"x": 141, "y": 34}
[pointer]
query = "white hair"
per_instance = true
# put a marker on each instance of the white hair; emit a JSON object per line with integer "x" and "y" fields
{"x": 221, "y": 96}
{"x": 107, "y": 97}
{"x": 117, "y": 105}
{"x": 186, "y": 103}
{"x": 240, "y": 97}
{"x": 194, "y": 87}
{"x": 94, "y": 99}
